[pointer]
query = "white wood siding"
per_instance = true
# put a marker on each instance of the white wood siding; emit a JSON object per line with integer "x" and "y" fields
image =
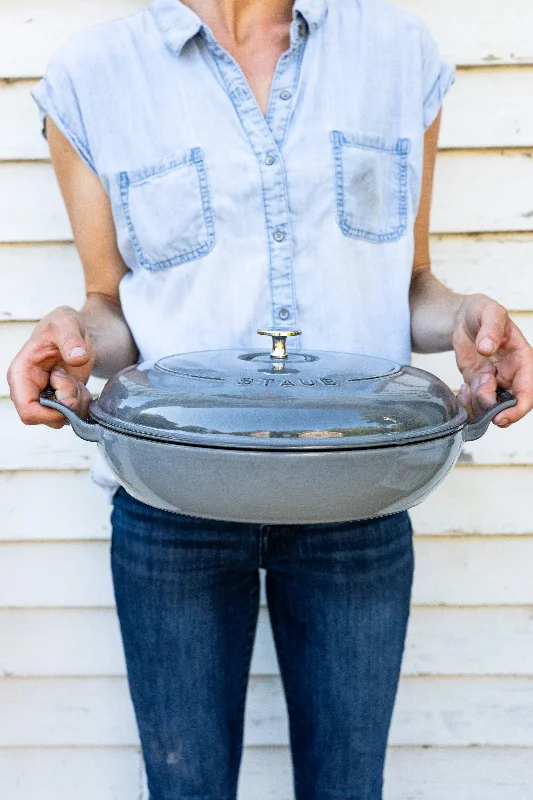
{"x": 462, "y": 726}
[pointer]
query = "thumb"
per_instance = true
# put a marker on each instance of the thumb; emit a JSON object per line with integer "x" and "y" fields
{"x": 492, "y": 329}
{"x": 69, "y": 338}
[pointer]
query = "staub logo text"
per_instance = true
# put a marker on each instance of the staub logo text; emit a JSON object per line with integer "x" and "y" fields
{"x": 287, "y": 382}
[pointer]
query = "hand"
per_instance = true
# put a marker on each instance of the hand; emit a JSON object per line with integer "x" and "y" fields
{"x": 58, "y": 354}
{"x": 492, "y": 352}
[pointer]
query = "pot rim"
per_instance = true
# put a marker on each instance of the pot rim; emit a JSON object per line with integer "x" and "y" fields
{"x": 265, "y": 445}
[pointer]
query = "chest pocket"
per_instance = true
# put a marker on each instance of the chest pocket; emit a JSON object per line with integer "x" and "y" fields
{"x": 168, "y": 211}
{"x": 371, "y": 186}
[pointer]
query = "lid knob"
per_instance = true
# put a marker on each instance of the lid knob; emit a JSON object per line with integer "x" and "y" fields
{"x": 279, "y": 339}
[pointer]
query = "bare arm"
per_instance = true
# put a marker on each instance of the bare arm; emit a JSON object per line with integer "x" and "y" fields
{"x": 490, "y": 349}
{"x": 67, "y": 345}
{"x": 434, "y": 308}
{"x": 89, "y": 211}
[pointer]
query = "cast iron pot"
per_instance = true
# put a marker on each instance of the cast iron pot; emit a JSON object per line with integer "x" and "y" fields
{"x": 278, "y": 437}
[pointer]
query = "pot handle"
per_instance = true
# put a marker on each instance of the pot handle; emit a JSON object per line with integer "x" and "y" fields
{"x": 475, "y": 430}
{"x": 90, "y": 431}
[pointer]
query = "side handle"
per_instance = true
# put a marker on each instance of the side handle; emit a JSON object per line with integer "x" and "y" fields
{"x": 475, "y": 430}
{"x": 90, "y": 431}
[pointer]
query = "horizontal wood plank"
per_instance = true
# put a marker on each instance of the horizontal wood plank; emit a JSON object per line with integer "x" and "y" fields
{"x": 462, "y": 774}
{"x": 68, "y": 773}
{"x": 486, "y": 108}
{"x": 39, "y": 447}
{"x": 31, "y": 207}
{"x": 482, "y": 500}
{"x": 39, "y": 277}
{"x": 429, "y": 711}
{"x": 20, "y": 127}
{"x": 450, "y": 571}
{"x": 475, "y": 191}
{"x": 477, "y": 32}
{"x": 411, "y": 773}
{"x": 473, "y": 33}
{"x": 52, "y": 505}
{"x": 66, "y": 712}
{"x": 499, "y": 265}
{"x": 32, "y": 30}
{"x": 469, "y": 119}
{"x": 441, "y": 641}
{"x": 473, "y": 571}
{"x": 65, "y": 574}
{"x": 469, "y": 641}
{"x": 511, "y": 446}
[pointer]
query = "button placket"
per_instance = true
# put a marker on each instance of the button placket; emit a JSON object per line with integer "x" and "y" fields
{"x": 266, "y": 149}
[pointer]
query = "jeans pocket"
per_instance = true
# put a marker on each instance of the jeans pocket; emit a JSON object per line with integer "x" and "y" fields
{"x": 168, "y": 212}
{"x": 371, "y": 185}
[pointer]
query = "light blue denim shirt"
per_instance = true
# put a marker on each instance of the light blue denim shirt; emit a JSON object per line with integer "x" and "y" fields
{"x": 230, "y": 221}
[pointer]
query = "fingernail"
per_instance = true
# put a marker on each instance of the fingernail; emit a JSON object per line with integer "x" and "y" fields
{"x": 487, "y": 344}
{"x": 502, "y": 422}
{"x": 77, "y": 352}
{"x": 485, "y": 377}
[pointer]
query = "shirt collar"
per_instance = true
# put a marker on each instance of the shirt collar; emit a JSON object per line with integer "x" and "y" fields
{"x": 176, "y": 21}
{"x": 179, "y": 24}
{"x": 313, "y": 12}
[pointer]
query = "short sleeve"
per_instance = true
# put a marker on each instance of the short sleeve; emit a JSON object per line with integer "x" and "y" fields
{"x": 438, "y": 77}
{"x": 56, "y": 97}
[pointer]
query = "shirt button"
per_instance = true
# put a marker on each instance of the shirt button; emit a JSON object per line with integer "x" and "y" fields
{"x": 279, "y": 236}
{"x": 284, "y": 313}
{"x": 269, "y": 160}
{"x": 285, "y": 95}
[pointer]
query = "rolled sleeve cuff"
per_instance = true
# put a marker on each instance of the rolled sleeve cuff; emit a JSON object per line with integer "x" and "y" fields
{"x": 43, "y": 96}
{"x": 437, "y": 93}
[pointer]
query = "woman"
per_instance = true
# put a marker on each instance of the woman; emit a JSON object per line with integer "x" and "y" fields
{"x": 228, "y": 164}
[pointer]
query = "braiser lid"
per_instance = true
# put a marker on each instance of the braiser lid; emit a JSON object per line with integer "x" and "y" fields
{"x": 276, "y": 401}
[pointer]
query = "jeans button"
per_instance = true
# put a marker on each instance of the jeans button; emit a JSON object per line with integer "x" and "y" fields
{"x": 284, "y": 313}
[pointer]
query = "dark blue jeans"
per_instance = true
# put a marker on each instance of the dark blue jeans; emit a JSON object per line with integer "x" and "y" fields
{"x": 187, "y": 593}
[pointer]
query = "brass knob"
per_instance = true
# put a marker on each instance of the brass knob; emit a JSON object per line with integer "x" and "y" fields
{"x": 279, "y": 340}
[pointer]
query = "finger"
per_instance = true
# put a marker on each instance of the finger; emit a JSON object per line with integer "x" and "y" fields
{"x": 522, "y": 389}
{"x": 464, "y": 399}
{"x": 85, "y": 400}
{"x": 483, "y": 388}
{"x": 71, "y": 392}
{"x": 67, "y": 333}
{"x": 493, "y": 329}
{"x": 26, "y": 381}
{"x": 66, "y": 388}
